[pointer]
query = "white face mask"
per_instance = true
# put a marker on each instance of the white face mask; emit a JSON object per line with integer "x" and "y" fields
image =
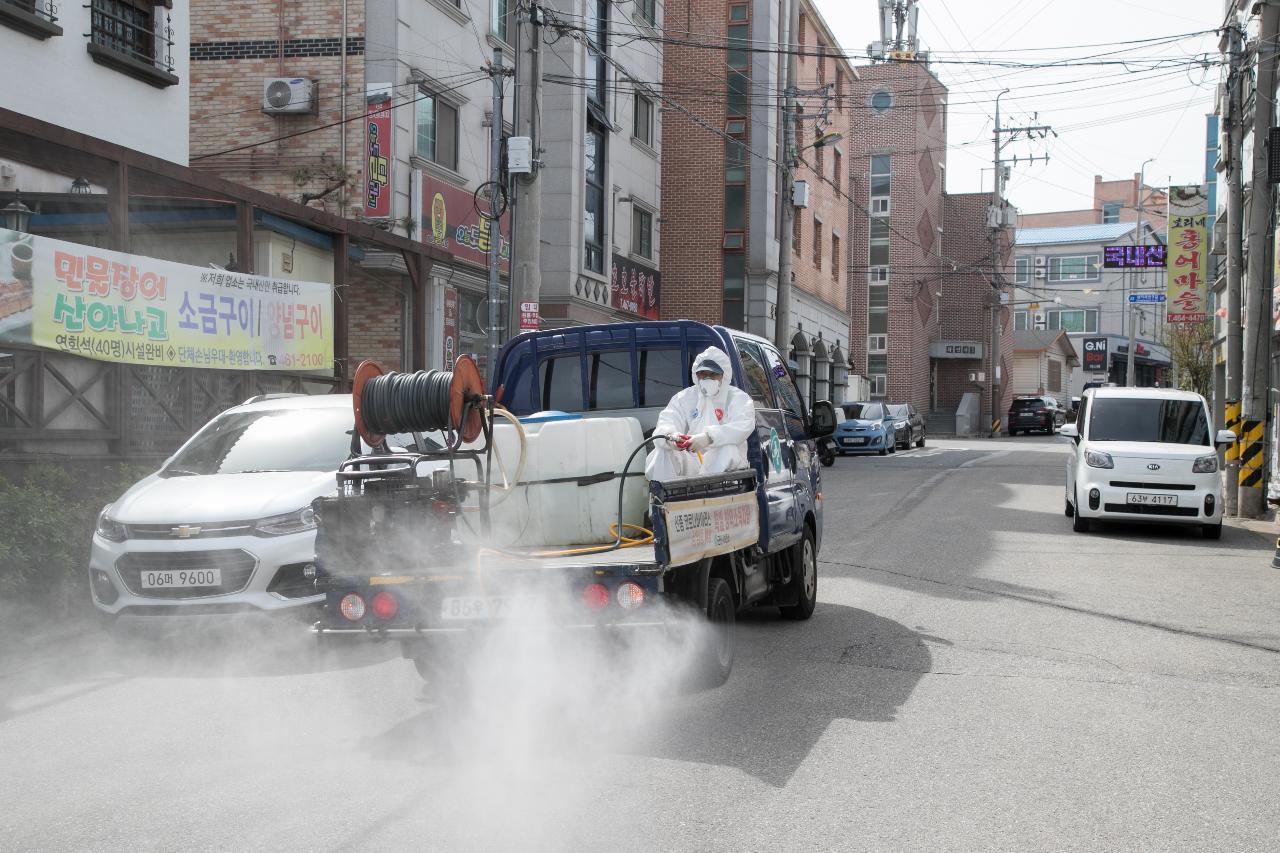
{"x": 710, "y": 387}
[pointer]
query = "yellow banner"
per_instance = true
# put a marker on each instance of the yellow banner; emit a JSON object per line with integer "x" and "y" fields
{"x": 1187, "y": 292}
{"x": 127, "y": 308}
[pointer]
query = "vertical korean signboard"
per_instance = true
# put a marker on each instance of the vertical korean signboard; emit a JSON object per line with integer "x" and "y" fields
{"x": 377, "y": 201}
{"x": 1188, "y": 256}
{"x": 450, "y": 327}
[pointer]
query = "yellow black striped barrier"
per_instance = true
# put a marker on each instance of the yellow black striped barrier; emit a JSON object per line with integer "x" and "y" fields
{"x": 1251, "y": 455}
{"x": 1233, "y": 424}
{"x": 995, "y": 427}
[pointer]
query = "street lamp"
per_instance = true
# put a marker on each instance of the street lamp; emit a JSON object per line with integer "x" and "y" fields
{"x": 16, "y": 216}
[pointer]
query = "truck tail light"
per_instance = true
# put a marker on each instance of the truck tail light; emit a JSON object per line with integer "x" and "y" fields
{"x": 630, "y": 595}
{"x": 352, "y": 607}
{"x": 595, "y": 596}
{"x": 385, "y": 605}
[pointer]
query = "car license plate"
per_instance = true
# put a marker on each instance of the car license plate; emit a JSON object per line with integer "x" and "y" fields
{"x": 849, "y": 442}
{"x": 485, "y": 607}
{"x": 174, "y": 578}
{"x": 1152, "y": 500}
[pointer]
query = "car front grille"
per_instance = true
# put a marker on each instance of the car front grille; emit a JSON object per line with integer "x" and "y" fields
{"x": 1168, "y": 487}
{"x": 1148, "y": 509}
{"x": 236, "y": 565}
{"x": 189, "y": 531}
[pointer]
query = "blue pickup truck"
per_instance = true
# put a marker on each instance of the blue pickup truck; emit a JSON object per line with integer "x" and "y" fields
{"x": 720, "y": 543}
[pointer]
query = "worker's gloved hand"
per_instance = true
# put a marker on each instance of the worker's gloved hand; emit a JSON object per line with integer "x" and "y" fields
{"x": 682, "y": 442}
{"x": 699, "y": 442}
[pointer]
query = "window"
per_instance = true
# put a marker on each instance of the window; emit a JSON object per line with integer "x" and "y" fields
{"x": 662, "y": 374}
{"x": 739, "y": 91}
{"x": 788, "y": 395}
{"x": 735, "y": 207}
{"x": 610, "y": 381}
{"x": 879, "y": 384}
{"x": 878, "y": 309}
{"x": 1021, "y": 319}
{"x": 1074, "y": 268}
{"x": 877, "y": 344}
{"x": 1074, "y": 320}
{"x": 835, "y": 257}
{"x": 562, "y": 384}
{"x": 500, "y": 15}
{"x": 880, "y": 175}
{"x": 1111, "y": 212}
{"x": 878, "y": 250}
{"x": 737, "y": 13}
{"x": 593, "y": 209}
{"x": 817, "y": 242}
{"x": 642, "y": 126}
{"x": 596, "y": 28}
{"x": 739, "y": 38}
{"x": 839, "y": 90}
{"x": 735, "y": 161}
{"x": 126, "y": 35}
{"x": 437, "y": 131}
{"x": 647, "y": 10}
{"x": 800, "y": 40}
{"x": 1021, "y": 270}
{"x": 881, "y": 101}
{"x": 837, "y": 170}
{"x": 1055, "y": 376}
{"x": 754, "y": 376}
{"x": 641, "y": 232}
{"x": 735, "y": 286}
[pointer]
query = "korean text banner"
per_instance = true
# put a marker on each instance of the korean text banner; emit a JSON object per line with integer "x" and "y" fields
{"x": 450, "y": 221}
{"x": 128, "y": 308}
{"x": 1187, "y": 295}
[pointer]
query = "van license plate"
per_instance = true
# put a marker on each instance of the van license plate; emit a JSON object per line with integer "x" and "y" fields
{"x": 174, "y": 578}
{"x": 1151, "y": 500}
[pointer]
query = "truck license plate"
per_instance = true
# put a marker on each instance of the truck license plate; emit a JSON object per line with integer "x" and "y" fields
{"x": 485, "y": 607}
{"x": 172, "y": 578}
{"x": 1151, "y": 500}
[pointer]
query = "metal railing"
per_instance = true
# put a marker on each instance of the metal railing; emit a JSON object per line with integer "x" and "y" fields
{"x": 46, "y": 9}
{"x": 132, "y": 30}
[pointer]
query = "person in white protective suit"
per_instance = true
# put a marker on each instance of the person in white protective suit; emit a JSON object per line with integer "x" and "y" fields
{"x": 708, "y": 424}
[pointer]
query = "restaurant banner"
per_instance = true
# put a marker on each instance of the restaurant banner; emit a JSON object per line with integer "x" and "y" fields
{"x": 634, "y": 288}
{"x": 1187, "y": 291}
{"x": 450, "y": 221}
{"x": 112, "y": 306}
{"x": 377, "y": 200}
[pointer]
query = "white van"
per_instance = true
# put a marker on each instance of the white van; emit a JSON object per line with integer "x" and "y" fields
{"x": 1144, "y": 454}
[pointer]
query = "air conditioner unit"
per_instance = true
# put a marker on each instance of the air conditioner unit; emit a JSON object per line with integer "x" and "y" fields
{"x": 880, "y": 206}
{"x": 1040, "y": 272}
{"x": 288, "y": 96}
{"x": 1041, "y": 320}
{"x": 1039, "y": 261}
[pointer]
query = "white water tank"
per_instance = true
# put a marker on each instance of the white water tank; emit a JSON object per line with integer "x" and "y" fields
{"x": 567, "y": 496}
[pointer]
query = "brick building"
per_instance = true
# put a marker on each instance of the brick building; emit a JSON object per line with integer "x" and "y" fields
{"x": 920, "y": 283}
{"x": 721, "y": 210}
{"x": 1113, "y": 201}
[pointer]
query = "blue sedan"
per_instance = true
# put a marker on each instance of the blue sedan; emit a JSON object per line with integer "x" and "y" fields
{"x": 867, "y": 428}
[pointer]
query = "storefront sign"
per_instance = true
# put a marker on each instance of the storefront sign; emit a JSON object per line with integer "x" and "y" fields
{"x": 129, "y": 308}
{"x": 450, "y": 221}
{"x": 529, "y": 317}
{"x": 955, "y": 349}
{"x": 1095, "y": 353}
{"x": 1187, "y": 288}
{"x": 450, "y": 327}
{"x": 711, "y": 526}
{"x": 634, "y": 288}
{"x": 378, "y": 157}
{"x": 1130, "y": 257}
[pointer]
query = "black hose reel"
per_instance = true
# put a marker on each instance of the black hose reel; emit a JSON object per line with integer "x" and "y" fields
{"x": 423, "y": 401}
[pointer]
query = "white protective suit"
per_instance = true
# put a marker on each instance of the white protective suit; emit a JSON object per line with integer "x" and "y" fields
{"x": 720, "y": 424}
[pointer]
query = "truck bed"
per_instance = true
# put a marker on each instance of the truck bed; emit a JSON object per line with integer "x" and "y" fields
{"x": 641, "y": 557}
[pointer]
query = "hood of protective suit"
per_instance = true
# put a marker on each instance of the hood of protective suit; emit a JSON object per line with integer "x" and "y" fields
{"x": 719, "y": 357}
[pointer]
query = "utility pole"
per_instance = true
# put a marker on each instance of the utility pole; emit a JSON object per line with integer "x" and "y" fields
{"x": 1133, "y": 345}
{"x": 496, "y": 73}
{"x": 782, "y": 322}
{"x": 1131, "y": 367}
{"x": 1235, "y": 259}
{"x": 526, "y": 243}
{"x": 996, "y": 220}
{"x": 1257, "y": 329}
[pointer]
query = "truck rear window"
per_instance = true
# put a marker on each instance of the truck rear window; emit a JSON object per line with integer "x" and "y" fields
{"x": 562, "y": 383}
{"x": 662, "y": 374}
{"x": 610, "y": 380}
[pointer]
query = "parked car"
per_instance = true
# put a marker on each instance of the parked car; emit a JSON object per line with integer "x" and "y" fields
{"x": 227, "y": 520}
{"x": 1030, "y": 413}
{"x": 908, "y": 425}
{"x": 1144, "y": 454}
{"x": 868, "y": 428}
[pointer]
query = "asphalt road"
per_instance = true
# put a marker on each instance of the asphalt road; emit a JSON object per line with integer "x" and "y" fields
{"x": 976, "y": 677}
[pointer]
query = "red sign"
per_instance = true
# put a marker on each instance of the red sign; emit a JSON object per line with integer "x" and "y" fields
{"x": 529, "y": 317}
{"x": 450, "y": 221}
{"x": 450, "y": 327}
{"x": 377, "y": 201}
{"x": 634, "y": 288}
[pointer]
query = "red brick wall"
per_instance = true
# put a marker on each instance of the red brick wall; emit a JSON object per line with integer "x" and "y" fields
{"x": 693, "y": 164}
{"x": 375, "y": 326}
{"x": 227, "y": 72}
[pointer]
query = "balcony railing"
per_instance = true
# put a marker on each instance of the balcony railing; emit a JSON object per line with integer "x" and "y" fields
{"x": 41, "y": 8}
{"x": 129, "y": 37}
{"x": 37, "y": 18}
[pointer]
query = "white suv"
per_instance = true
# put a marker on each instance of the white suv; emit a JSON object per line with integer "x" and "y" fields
{"x": 1144, "y": 454}
{"x": 226, "y": 523}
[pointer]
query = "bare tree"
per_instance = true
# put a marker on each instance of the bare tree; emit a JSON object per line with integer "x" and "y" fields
{"x": 1191, "y": 350}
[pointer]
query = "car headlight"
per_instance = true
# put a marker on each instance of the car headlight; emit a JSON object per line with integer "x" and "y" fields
{"x": 1205, "y": 465}
{"x": 1098, "y": 459}
{"x": 290, "y": 522}
{"x": 108, "y": 528}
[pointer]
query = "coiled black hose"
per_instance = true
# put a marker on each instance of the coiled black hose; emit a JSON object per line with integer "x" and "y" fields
{"x": 408, "y": 402}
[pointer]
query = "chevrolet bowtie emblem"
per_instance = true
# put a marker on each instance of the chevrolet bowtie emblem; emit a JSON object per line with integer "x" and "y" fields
{"x": 185, "y": 531}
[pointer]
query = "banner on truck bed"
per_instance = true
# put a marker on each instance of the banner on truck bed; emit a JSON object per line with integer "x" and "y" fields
{"x": 128, "y": 308}
{"x": 710, "y": 526}
{"x": 1188, "y": 256}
